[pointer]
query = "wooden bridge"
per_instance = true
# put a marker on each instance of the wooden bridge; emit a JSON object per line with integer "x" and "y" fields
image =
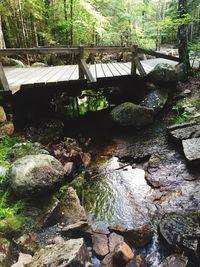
{"x": 82, "y": 76}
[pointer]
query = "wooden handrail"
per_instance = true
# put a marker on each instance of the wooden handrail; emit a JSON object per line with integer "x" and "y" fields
{"x": 37, "y": 51}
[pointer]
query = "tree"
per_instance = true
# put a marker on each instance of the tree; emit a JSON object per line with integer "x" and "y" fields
{"x": 182, "y": 35}
{"x": 2, "y": 41}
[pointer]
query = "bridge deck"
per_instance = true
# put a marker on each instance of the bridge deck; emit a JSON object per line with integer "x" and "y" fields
{"x": 30, "y": 77}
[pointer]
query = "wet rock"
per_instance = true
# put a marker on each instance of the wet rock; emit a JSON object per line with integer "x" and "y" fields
{"x": 2, "y": 115}
{"x": 23, "y": 260}
{"x": 191, "y": 148}
{"x": 72, "y": 211}
{"x": 108, "y": 261}
{"x": 35, "y": 174}
{"x": 68, "y": 168}
{"x": 155, "y": 100}
{"x": 46, "y": 132}
{"x": 5, "y": 249}
{"x": 71, "y": 253}
{"x": 100, "y": 245}
{"x": 122, "y": 254}
{"x": 137, "y": 237}
{"x": 138, "y": 261}
{"x": 114, "y": 240}
{"x": 51, "y": 215}
{"x": 27, "y": 243}
{"x": 184, "y": 131}
{"x": 129, "y": 114}
{"x": 7, "y": 128}
{"x": 174, "y": 260}
{"x": 164, "y": 74}
{"x": 75, "y": 230}
{"x": 181, "y": 231}
{"x": 86, "y": 159}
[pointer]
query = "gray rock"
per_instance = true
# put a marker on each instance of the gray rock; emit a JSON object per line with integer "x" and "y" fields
{"x": 184, "y": 131}
{"x": 164, "y": 74}
{"x": 155, "y": 99}
{"x": 72, "y": 211}
{"x": 6, "y": 61}
{"x": 114, "y": 240}
{"x": 35, "y": 174}
{"x": 23, "y": 260}
{"x": 72, "y": 253}
{"x": 5, "y": 249}
{"x": 191, "y": 148}
{"x": 100, "y": 245}
{"x": 174, "y": 260}
{"x": 27, "y": 243}
{"x": 51, "y": 215}
{"x": 129, "y": 114}
{"x": 75, "y": 230}
{"x": 182, "y": 231}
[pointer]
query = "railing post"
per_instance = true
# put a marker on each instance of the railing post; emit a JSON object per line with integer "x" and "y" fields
{"x": 134, "y": 55}
{"x": 81, "y": 56}
{"x": 3, "y": 80}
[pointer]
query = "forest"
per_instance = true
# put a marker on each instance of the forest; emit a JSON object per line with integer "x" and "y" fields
{"x": 147, "y": 23}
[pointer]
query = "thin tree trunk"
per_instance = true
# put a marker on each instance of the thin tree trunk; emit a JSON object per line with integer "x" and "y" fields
{"x": 71, "y": 22}
{"x": 22, "y": 23}
{"x": 182, "y": 36}
{"x": 2, "y": 41}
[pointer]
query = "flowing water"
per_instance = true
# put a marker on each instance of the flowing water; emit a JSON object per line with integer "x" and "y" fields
{"x": 119, "y": 194}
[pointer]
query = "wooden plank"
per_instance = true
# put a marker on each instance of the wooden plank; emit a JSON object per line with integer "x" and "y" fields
{"x": 56, "y": 74}
{"x": 45, "y": 77}
{"x": 107, "y": 71}
{"x": 60, "y": 74}
{"x": 119, "y": 69}
{"x": 19, "y": 75}
{"x": 114, "y": 71}
{"x": 75, "y": 74}
{"x": 156, "y": 54}
{"x": 67, "y": 74}
{"x": 32, "y": 73}
{"x": 36, "y": 76}
{"x": 93, "y": 70}
{"x": 3, "y": 80}
{"x": 125, "y": 69}
{"x": 86, "y": 71}
{"x": 100, "y": 73}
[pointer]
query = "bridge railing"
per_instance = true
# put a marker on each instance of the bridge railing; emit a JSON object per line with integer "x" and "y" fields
{"x": 80, "y": 50}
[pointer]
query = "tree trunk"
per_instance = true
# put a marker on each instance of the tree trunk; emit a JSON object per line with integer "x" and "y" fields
{"x": 2, "y": 41}
{"x": 71, "y": 22}
{"x": 182, "y": 36}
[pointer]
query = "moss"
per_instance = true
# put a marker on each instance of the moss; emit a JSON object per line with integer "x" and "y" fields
{"x": 11, "y": 217}
{"x": 5, "y": 145}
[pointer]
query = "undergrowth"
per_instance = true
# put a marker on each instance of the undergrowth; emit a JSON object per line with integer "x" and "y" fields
{"x": 187, "y": 110}
{"x": 12, "y": 218}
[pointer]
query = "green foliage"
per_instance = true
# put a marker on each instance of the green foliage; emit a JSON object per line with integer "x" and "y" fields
{"x": 11, "y": 217}
{"x": 5, "y": 144}
{"x": 20, "y": 150}
{"x": 186, "y": 111}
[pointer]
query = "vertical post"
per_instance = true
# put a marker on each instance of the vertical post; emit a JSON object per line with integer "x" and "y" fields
{"x": 81, "y": 55}
{"x": 3, "y": 80}
{"x": 134, "y": 55}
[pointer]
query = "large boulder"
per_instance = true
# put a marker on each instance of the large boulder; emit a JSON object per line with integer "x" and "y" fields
{"x": 35, "y": 174}
{"x": 181, "y": 231}
{"x": 72, "y": 253}
{"x": 100, "y": 245}
{"x": 129, "y": 114}
{"x": 164, "y": 74}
